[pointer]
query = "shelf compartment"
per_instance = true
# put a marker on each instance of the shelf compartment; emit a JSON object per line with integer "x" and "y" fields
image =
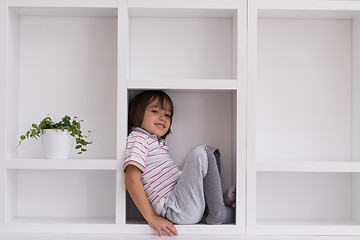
{"x": 60, "y": 196}
{"x": 73, "y": 60}
{"x": 175, "y": 47}
{"x": 307, "y": 90}
{"x": 298, "y": 199}
{"x": 70, "y": 164}
{"x": 303, "y": 168}
{"x": 196, "y": 112}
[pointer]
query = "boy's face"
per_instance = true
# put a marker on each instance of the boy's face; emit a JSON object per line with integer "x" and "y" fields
{"x": 156, "y": 120}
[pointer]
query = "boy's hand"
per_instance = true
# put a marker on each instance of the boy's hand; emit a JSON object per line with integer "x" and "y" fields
{"x": 161, "y": 225}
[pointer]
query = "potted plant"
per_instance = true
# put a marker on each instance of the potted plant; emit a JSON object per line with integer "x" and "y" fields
{"x": 58, "y": 138}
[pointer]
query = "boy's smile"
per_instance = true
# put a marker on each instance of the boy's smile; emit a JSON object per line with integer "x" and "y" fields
{"x": 156, "y": 120}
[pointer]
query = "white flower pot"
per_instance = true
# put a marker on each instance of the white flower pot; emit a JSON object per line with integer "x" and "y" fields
{"x": 57, "y": 144}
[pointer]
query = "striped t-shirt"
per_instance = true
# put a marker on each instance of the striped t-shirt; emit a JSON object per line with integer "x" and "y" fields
{"x": 159, "y": 172}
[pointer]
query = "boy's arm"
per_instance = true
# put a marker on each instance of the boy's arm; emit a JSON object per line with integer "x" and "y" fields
{"x": 137, "y": 192}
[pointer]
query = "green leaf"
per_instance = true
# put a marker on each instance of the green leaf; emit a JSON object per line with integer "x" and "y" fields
{"x": 66, "y": 123}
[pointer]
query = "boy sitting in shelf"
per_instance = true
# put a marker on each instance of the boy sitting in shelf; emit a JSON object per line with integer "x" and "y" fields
{"x": 164, "y": 194}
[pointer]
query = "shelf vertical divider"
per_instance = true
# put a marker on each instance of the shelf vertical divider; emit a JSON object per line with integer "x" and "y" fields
{"x": 355, "y": 118}
{"x": 251, "y": 114}
{"x": 241, "y": 69}
{"x": 123, "y": 63}
{"x": 3, "y": 77}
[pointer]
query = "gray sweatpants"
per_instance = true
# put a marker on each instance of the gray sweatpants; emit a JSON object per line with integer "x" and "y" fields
{"x": 186, "y": 203}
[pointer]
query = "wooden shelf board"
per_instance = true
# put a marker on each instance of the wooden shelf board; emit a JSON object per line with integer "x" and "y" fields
{"x": 184, "y": 4}
{"x": 184, "y": 84}
{"x": 225, "y": 229}
{"x": 179, "y": 13}
{"x": 62, "y": 220}
{"x": 64, "y": 3}
{"x": 306, "y": 166}
{"x": 308, "y": 5}
{"x": 308, "y": 9}
{"x": 305, "y": 227}
{"x": 64, "y": 8}
{"x": 71, "y": 12}
{"x": 307, "y": 222}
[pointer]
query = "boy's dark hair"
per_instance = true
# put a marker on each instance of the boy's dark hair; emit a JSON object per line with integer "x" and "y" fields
{"x": 141, "y": 101}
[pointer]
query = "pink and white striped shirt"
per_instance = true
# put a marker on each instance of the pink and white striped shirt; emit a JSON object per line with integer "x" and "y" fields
{"x": 159, "y": 172}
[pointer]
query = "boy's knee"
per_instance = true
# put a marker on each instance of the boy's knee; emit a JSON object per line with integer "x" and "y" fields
{"x": 198, "y": 157}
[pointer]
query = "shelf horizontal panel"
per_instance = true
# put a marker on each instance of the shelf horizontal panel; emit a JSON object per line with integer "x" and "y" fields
{"x": 306, "y": 166}
{"x": 185, "y": 4}
{"x": 308, "y": 14}
{"x": 52, "y": 220}
{"x": 189, "y": 13}
{"x": 305, "y": 227}
{"x": 308, "y": 9}
{"x": 64, "y": 11}
{"x": 65, "y": 8}
{"x": 185, "y": 84}
{"x": 308, "y": 5}
{"x": 225, "y": 229}
{"x": 70, "y": 164}
{"x": 64, "y": 3}
{"x": 299, "y": 222}
{"x": 46, "y": 228}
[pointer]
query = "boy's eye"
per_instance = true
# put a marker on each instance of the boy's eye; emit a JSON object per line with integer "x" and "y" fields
{"x": 154, "y": 111}
{"x": 168, "y": 115}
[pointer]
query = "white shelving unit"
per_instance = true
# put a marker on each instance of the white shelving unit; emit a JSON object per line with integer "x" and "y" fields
{"x": 196, "y": 52}
{"x": 303, "y": 118}
{"x": 273, "y": 83}
{"x": 61, "y": 58}
{"x": 88, "y": 58}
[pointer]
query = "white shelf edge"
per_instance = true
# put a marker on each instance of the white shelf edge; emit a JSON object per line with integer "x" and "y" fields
{"x": 224, "y": 229}
{"x": 193, "y": 229}
{"x": 68, "y": 164}
{"x": 181, "y": 12}
{"x": 184, "y": 84}
{"x": 62, "y": 220}
{"x": 184, "y": 4}
{"x": 307, "y": 5}
{"x": 78, "y": 8}
{"x": 90, "y": 225}
{"x": 64, "y": 3}
{"x": 306, "y": 166}
{"x": 308, "y": 9}
{"x": 303, "y": 227}
{"x": 87, "y": 225}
